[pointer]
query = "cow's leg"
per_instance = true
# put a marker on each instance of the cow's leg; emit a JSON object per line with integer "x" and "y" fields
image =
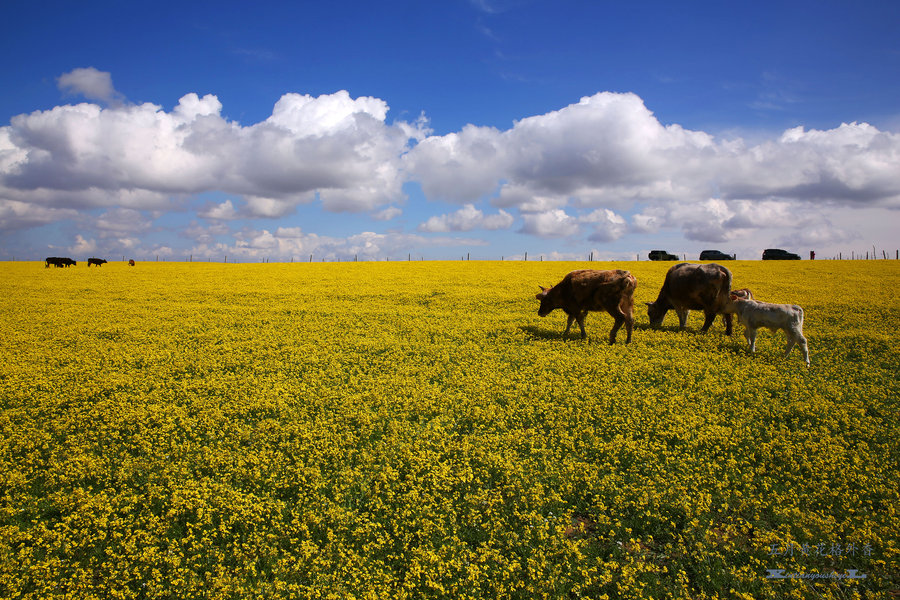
{"x": 568, "y": 326}
{"x": 750, "y": 334}
{"x": 627, "y": 308}
{"x": 682, "y": 316}
{"x": 791, "y": 340}
{"x": 797, "y": 338}
{"x": 580, "y": 318}
{"x": 726, "y": 318}
{"x": 804, "y": 348}
{"x": 619, "y": 319}
{"x": 709, "y": 318}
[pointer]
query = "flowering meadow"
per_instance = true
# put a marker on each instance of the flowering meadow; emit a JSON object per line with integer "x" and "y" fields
{"x": 415, "y": 430}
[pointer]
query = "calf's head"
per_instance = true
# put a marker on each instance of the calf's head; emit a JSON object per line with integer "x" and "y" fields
{"x": 734, "y": 297}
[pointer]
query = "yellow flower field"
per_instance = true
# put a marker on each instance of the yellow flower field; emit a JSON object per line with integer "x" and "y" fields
{"x": 415, "y": 430}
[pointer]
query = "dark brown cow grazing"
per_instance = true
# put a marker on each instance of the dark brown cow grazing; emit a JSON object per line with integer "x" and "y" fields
{"x": 587, "y": 290}
{"x": 131, "y": 263}
{"x": 59, "y": 261}
{"x": 693, "y": 287}
{"x": 95, "y": 261}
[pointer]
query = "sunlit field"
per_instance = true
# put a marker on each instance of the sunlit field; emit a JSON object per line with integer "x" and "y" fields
{"x": 415, "y": 430}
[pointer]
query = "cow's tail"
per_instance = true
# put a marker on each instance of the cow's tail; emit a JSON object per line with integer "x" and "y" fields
{"x": 625, "y": 284}
{"x": 624, "y": 289}
{"x": 724, "y": 296}
{"x": 727, "y": 283}
{"x": 630, "y": 284}
{"x": 619, "y": 287}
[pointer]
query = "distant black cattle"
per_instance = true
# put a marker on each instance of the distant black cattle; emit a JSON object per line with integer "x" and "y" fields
{"x": 95, "y": 261}
{"x": 59, "y": 261}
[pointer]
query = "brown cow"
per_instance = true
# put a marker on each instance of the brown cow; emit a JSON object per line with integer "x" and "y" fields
{"x": 131, "y": 262}
{"x": 693, "y": 287}
{"x": 585, "y": 290}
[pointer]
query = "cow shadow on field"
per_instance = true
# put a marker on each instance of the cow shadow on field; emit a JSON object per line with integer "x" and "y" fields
{"x": 553, "y": 333}
{"x": 543, "y": 333}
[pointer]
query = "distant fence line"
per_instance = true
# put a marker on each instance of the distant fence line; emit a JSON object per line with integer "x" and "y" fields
{"x": 540, "y": 258}
{"x": 853, "y": 255}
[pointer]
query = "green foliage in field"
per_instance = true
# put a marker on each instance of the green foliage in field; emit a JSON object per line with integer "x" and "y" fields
{"x": 409, "y": 430}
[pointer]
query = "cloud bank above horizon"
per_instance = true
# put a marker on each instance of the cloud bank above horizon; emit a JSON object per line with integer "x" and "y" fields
{"x": 592, "y": 173}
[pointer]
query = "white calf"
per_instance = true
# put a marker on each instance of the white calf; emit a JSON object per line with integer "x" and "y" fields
{"x": 753, "y": 314}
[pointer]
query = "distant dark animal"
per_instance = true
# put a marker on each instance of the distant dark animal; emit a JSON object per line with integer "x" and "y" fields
{"x": 59, "y": 261}
{"x": 693, "y": 287}
{"x": 754, "y": 314}
{"x": 95, "y": 261}
{"x": 590, "y": 290}
{"x": 131, "y": 263}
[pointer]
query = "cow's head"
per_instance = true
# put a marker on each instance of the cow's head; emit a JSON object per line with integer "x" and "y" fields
{"x": 547, "y": 305}
{"x": 656, "y": 312}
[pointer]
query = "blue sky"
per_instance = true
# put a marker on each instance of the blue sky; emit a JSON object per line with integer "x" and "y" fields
{"x": 439, "y": 129}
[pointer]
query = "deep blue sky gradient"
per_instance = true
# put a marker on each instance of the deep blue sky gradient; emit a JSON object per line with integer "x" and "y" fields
{"x": 747, "y": 70}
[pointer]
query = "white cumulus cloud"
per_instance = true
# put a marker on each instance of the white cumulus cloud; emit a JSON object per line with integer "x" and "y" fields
{"x": 91, "y": 83}
{"x": 550, "y": 224}
{"x": 333, "y": 147}
{"x": 466, "y": 219}
{"x": 607, "y": 225}
{"x": 600, "y": 169}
